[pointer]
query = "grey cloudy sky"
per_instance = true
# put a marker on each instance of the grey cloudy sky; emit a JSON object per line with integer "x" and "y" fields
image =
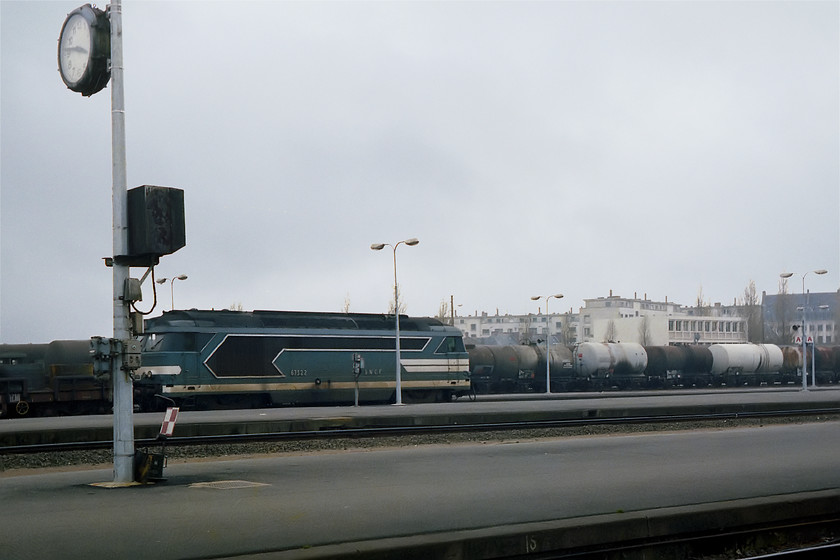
{"x": 654, "y": 148}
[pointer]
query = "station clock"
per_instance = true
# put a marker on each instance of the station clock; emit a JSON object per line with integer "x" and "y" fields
{"x": 84, "y": 50}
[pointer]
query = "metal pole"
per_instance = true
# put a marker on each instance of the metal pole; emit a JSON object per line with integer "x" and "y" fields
{"x": 378, "y": 247}
{"x": 122, "y": 383}
{"x": 804, "y": 351}
{"x": 397, "y": 315}
{"x": 813, "y": 342}
{"x": 547, "y": 339}
{"x": 547, "y": 348}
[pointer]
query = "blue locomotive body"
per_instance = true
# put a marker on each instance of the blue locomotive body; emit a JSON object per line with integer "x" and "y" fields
{"x": 231, "y": 358}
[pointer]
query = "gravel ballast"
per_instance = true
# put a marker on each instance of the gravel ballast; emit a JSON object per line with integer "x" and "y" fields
{"x": 17, "y": 464}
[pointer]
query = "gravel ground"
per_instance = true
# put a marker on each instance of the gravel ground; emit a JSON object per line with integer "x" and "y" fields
{"x": 13, "y": 465}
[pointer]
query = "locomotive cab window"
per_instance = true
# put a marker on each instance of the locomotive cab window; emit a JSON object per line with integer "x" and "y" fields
{"x": 451, "y": 344}
{"x": 176, "y": 342}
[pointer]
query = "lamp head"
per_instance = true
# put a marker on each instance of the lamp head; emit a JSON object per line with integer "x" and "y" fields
{"x": 181, "y": 277}
{"x": 377, "y": 246}
{"x": 413, "y": 241}
{"x": 161, "y": 280}
{"x": 786, "y": 274}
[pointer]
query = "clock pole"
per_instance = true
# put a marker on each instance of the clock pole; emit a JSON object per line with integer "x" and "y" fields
{"x": 122, "y": 383}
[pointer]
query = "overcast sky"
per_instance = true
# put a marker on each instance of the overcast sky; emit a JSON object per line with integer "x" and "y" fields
{"x": 649, "y": 148}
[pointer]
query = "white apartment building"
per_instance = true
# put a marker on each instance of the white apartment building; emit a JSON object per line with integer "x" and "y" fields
{"x": 615, "y": 319}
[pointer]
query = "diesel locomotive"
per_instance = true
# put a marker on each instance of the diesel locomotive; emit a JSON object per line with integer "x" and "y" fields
{"x": 223, "y": 359}
{"x": 212, "y": 359}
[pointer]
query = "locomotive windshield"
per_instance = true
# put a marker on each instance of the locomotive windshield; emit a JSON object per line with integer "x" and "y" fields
{"x": 451, "y": 344}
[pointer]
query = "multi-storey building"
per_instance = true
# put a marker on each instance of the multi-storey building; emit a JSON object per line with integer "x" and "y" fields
{"x": 783, "y": 315}
{"x": 614, "y": 319}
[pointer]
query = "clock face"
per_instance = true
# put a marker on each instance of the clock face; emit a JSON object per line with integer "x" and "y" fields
{"x": 75, "y": 48}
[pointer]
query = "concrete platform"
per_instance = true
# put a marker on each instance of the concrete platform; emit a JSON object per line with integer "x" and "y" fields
{"x": 490, "y": 409}
{"x": 460, "y": 501}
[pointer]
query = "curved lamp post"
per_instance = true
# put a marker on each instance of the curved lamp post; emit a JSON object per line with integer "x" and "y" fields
{"x": 378, "y": 247}
{"x": 547, "y": 339}
{"x": 172, "y": 286}
{"x": 787, "y": 275}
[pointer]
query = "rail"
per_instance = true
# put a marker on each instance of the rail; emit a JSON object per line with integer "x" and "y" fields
{"x": 765, "y": 541}
{"x": 412, "y": 430}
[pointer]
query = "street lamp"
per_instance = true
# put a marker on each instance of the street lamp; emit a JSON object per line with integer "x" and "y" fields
{"x": 787, "y": 275}
{"x": 378, "y": 247}
{"x": 547, "y": 340}
{"x": 172, "y": 286}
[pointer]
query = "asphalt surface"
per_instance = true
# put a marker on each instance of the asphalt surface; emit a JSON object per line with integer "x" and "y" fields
{"x": 310, "y": 505}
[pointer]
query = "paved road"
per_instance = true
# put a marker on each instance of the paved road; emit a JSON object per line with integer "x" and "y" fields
{"x": 310, "y": 500}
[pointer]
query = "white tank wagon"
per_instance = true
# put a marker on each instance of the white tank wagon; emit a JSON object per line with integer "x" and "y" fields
{"x": 737, "y": 364}
{"x": 610, "y": 364}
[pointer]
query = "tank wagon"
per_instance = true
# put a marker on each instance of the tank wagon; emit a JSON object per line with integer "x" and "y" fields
{"x": 518, "y": 369}
{"x": 596, "y": 366}
{"x": 610, "y": 364}
{"x": 679, "y": 365}
{"x": 213, "y": 359}
{"x": 49, "y": 379}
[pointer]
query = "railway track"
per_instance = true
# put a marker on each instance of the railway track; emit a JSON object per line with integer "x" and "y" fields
{"x": 805, "y": 539}
{"x": 396, "y": 431}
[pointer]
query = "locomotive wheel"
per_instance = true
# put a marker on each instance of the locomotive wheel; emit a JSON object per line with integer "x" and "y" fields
{"x": 22, "y": 408}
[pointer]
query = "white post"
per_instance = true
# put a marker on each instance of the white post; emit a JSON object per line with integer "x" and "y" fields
{"x": 378, "y": 247}
{"x": 121, "y": 380}
{"x": 397, "y": 315}
{"x": 547, "y": 348}
{"x": 547, "y": 340}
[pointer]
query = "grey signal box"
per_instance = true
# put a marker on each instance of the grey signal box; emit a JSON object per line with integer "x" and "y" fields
{"x": 156, "y": 224}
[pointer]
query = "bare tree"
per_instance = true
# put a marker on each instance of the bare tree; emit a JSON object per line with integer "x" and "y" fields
{"x": 644, "y": 331}
{"x": 609, "y": 334}
{"x": 346, "y": 307}
{"x": 443, "y": 312}
{"x": 751, "y": 310}
{"x": 402, "y": 304}
{"x": 701, "y": 305}
{"x": 784, "y": 315}
{"x": 237, "y": 306}
{"x": 566, "y": 333}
